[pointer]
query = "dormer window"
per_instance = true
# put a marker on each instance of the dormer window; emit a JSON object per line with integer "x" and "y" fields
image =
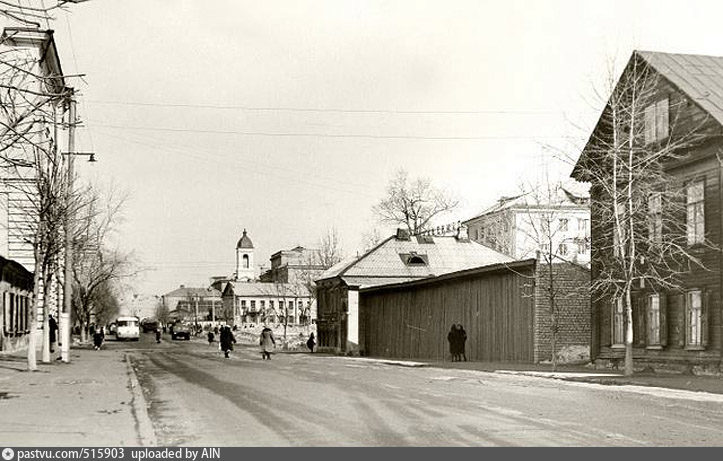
{"x": 414, "y": 259}
{"x": 656, "y": 121}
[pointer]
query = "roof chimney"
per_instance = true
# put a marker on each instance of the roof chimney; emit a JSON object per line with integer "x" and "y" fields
{"x": 403, "y": 234}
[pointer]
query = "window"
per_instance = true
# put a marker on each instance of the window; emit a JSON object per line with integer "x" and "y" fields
{"x": 262, "y": 304}
{"x": 545, "y": 225}
{"x": 246, "y": 261}
{"x": 581, "y": 246}
{"x": 271, "y": 304}
{"x": 695, "y": 210}
{"x": 563, "y": 225}
{"x": 476, "y": 231}
{"x": 413, "y": 259}
{"x": 694, "y": 318}
{"x": 582, "y": 225}
{"x": 545, "y": 248}
{"x": 243, "y": 304}
{"x": 656, "y": 121}
{"x": 653, "y": 319}
{"x": 618, "y": 322}
{"x": 291, "y": 304}
{"x": 253, "y": 306}
{"x": 562, "y": 249}
{"x": 655, "y": 217}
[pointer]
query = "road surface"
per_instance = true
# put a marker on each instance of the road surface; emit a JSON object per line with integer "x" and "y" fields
{"x": 196, "y": 397}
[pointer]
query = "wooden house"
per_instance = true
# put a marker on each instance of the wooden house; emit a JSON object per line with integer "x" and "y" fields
{"x": 679, "y": 328}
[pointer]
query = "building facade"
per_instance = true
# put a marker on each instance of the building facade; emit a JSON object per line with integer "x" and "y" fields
{"x": 554, "y": 222}
{"x": 273, "y": 304}
{"x": 676, "y": 326}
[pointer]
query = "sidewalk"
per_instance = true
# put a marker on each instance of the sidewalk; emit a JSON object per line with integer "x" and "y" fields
{"x": 96, "y": 401}
{"x": 576, "y": 373}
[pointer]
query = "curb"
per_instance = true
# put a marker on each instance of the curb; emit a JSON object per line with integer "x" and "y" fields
{"x": 398, "y": 363}
{"x": 139, "y": 408}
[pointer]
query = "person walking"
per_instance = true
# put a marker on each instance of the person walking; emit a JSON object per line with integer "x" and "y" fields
{"x": 158, "y": 335}
{"x": 226, "y": 339}
{"x": 311, "y": 342}
{"x": 211, "y": 337}
{"x": 267, "y": 343}
{"x": 98, "y": 338}
{"x": 52, "y": 332}
{"x": 462, "y": 341}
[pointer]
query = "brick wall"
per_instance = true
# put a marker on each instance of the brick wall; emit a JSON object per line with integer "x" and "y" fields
{"x": 572, "y": 288}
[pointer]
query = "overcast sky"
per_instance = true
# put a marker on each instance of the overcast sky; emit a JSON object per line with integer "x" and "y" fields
{"x": 288, "y": 118}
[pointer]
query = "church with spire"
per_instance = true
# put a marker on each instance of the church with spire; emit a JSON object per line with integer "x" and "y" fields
{"x": 245, "y": 268}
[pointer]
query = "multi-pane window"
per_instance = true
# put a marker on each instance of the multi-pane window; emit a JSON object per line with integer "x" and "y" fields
{"x": 253, "y": 305}
{"x": 563, "y": 224}
{"x": 695, "y": 211}
{"x": 582, "y": 225}
{"x": 656, "y": 121}
{"x": 653, "y": 319}
{"x": 581, "y": 246}
{"x": 562, "y": 249}
{"x": 243, "y": 304}
{"x": 545, "y": 248}
{"x": 271, "y": 304}
{"x": 618, "y": 322}
{"x": 655, "y": 217}
{"x": 694, "y": 318}
{"x": 262, "y": 304}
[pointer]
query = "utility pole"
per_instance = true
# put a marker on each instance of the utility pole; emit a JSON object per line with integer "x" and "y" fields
{"x": 68, "y": 277}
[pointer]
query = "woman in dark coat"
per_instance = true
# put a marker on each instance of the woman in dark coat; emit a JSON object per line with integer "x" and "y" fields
{"x": 453, "y": 338}
{"x": 98, "y": 338}
{"x": 462, "y": 338}
{"x": 310, "y": 343}
{"x": 226, "y": 340}
{"x": 267, "y": 343}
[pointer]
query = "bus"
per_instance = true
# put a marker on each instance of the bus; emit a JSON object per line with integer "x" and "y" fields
{"x": 127, "y": 328}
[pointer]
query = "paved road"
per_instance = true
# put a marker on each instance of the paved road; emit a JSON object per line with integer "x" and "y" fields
{"x": 196, "y": 397}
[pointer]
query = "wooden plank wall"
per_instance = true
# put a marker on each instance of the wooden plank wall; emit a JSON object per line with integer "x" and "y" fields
{"x": 413, "y": 322}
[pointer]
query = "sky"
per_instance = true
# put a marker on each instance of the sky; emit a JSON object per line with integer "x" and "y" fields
{"x": 288, "y": 118}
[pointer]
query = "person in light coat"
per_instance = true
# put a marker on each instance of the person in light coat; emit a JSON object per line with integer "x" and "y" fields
{"x": 267, "y": 342}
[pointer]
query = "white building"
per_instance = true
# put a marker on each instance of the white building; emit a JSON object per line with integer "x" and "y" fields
{"x": 555, "y": 222}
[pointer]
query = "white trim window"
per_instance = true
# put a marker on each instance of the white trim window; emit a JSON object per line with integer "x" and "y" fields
{"x": 695, "y": 212}
{"x": 618, "y": 322}
{"x": 694, "y": 318}
{"x": 563, "y": 224}
{"x": 653, "y": 319}
{"x": 562, "y": 249}
{"x": 657, "y": 121}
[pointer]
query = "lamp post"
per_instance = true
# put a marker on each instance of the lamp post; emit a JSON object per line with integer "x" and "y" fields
{"x": 65, "y": 315}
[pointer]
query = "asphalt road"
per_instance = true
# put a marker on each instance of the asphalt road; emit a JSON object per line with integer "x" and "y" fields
{"x": 196, "y": 397}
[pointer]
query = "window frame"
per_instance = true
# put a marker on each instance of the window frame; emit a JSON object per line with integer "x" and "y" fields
{"x": 617, "y": 319}
{"x": 695, "y": 230}
{"x": 689, "y": 336}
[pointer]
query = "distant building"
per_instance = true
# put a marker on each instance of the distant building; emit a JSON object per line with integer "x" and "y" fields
{"x": 297, "y": 265}
{"x": 399, "y": 258}
{"x": 272, "y": 304}
{"x": 519, "y": 226}
{"x": 195, "y": 303}
{"x": 245, "y": 269}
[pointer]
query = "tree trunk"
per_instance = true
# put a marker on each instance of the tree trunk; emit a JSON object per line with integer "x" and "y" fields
{"x": 628, "y": 333}
{"x": 46, "y": 312}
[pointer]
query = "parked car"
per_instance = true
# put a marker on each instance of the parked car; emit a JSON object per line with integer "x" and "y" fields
{"x": 127, "y": 328}
{"x": 149, "y": 325}
{"x": 181, "y": 330}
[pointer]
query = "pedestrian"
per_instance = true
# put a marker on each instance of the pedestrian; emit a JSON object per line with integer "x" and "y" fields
{"x": 97, "y": 338}
{"x": 462, "y": 340}
{"x": 310, "y": 343}
{"x": 52, "y": 332}
{"x": 226, "y": 339}
{"x": 267, "y": 343}
{"x": 158, "y": 335}
{"x": 215, "y": 330}
{"x": 210, "y": 337}
{"x": 453, "y": 338}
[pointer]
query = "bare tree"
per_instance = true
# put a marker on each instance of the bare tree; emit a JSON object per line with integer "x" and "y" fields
{"x": 414, "y": 203}
{"x": 639, "y": 209}
{"x": 543, "y": 229}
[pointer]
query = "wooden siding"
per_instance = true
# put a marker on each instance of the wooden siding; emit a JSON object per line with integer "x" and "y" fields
{"x": 412, "y": 321}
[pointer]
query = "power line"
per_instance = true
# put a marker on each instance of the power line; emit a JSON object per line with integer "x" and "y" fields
{"x": 282, "y": 134}
{"x": 325, "y": 110}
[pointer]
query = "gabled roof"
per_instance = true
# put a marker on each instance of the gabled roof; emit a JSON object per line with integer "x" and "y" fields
{"x": 385, "y": 263}
{"x": 185, "y": 292}
{"x": 699, "y": 77}
{"x": 566, "y": 196}
{"x": 265, "y": 289}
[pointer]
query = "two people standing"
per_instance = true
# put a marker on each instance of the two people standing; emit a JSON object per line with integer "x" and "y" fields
{"x": 457, "y": 338}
